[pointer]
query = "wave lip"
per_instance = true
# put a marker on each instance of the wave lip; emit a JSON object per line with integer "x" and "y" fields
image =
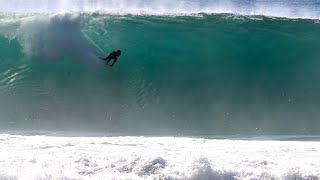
{"x": 290, "y": 9}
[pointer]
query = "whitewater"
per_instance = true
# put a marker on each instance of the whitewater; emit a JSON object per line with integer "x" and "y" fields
{"x": 43, "y": 157}
{"x": 204, "y": 89}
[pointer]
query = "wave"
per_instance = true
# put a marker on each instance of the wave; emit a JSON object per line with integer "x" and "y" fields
{"x": 214, "y": 74}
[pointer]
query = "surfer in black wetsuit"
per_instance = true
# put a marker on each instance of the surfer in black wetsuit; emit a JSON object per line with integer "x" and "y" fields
{"x": 112, "y": 56}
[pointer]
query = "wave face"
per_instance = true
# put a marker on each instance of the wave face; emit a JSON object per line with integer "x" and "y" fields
{"x": 203, "y": 74}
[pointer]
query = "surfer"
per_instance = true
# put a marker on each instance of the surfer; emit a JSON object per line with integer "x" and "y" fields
{"x": 112, "y": 56}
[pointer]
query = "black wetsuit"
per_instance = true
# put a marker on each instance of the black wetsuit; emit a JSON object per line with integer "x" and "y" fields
{"x": 114, "y": 55}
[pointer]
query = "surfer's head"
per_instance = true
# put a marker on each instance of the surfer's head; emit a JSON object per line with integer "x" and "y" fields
{"x": 119, "y": 52}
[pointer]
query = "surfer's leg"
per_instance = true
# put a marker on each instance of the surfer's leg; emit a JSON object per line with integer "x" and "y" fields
{"x": 114, "y": 61}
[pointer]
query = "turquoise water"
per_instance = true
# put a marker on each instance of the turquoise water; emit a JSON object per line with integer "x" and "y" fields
{"x": 200, "y": 74}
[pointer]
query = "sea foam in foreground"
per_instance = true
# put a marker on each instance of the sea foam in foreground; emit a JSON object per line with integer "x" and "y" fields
{"x": 49, "y": 157}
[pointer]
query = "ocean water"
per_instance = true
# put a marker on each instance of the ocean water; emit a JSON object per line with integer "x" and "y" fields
{"x": 204, "y": 89}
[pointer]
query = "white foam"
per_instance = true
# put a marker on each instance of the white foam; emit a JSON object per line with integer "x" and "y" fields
{"x": 303, "y": 9}
{"x": 43, "y": 157}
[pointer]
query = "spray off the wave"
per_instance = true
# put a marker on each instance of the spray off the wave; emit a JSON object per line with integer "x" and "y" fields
{"x": 289, "y": 9}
